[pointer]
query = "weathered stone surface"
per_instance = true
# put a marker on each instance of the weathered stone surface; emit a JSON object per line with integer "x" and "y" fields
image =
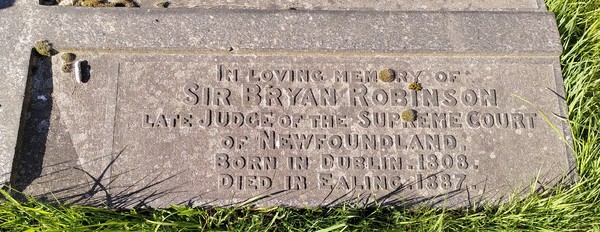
{"x": 134, "y": 133}
{"x": 14, "y": 42}
{"x": 386, "y": 5}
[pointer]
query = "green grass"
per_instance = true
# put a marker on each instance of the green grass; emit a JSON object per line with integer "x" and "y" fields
{"x": 576, "y": 208}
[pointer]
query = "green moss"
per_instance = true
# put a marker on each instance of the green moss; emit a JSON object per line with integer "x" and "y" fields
{"x": 387, "y": 75}
{"x": 43, "y": 47}
{"x": 162, "y": 4}
{"x": 415, "y": 86}
{"x": 409, "y": 115}
{"x": 68, "y": 57}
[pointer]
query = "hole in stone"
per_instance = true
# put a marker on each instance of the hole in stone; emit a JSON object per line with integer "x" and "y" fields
{"x": 82, "y": 71}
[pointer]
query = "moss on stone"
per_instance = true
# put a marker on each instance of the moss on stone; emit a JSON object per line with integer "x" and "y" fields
{"x": 95, "y": 3}
{"x": 67, "y": 68}
{"x": 415, "y": 86}
{"x": 125, "y": 3}
{"x": 104, "y": 3}
{"x": 387, "y": 75}
{"x": 68, "y": 57}
{"x": 43, "y": 47}
{"x": 162, "y": 4}
{"x": 409, "y": 115}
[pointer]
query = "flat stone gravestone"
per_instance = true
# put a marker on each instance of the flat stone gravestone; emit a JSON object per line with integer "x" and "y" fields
{"x": 311, "y": 104}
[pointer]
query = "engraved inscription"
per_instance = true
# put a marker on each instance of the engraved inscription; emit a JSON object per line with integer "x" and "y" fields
{"x": 341, "y": 130}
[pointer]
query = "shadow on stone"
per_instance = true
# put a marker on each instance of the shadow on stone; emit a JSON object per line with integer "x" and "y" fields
{"x": 100, "y": 194}
{"x": 35, "y": 123}
{"x": 47, "y": 166}
{"x": 6, "y": 3}
{"x": 369, "y": 200}
{"x": 450, "y": 199}
{"x": 135, "y": 195}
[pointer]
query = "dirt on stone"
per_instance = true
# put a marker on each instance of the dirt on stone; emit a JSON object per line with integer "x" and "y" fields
{"x": 102, "y": 3}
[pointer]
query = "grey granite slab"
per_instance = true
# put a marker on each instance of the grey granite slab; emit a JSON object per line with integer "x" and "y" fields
{"x": 299, "y": 31}
{"x": 133, "y": 134}
{"x": 15, "y": 44}
{"x": 385, "y": 5}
